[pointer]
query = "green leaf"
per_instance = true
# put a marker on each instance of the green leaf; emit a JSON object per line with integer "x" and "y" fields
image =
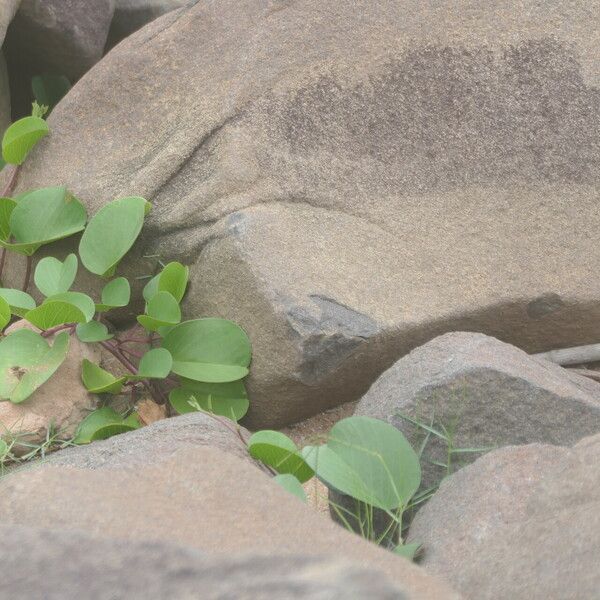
{"x": 27, "y": 361}
{"x": 103, "y": 433}
{"x": 93, "y": 422}
{"x": 82, "y": 301}
{"x": 151, "y": 288}
{"x": 162, "y": 310}
{"x": 91, "y": 332}
{"x": 115, "y": 294}
{"x": 3, "y": 450}
{"x": 53, "y": 312}
{"x": 49, "y": 89}
{"x": 133, "y": 420}
{"x": 98, "y": 381}
{"x": 209, "y": 350}
{"x": 111, "y": 233}
{"x": 174, "y": 279}
{"x": 369, "y": 460}
{"x": 407, "y": 550}
{"x": 155, "y": 364}
{"x": 7, "y": 205}
{"x": 5, "y": 313}
{"x": 43, "y": 216}
{"x": 20, "y": 302}
{"x": 291, "y": 484}
{"x": 21, "y": 137}
{"x": 226, "y": 399}
{"x": 55, "y": 277}
{"x": 279, "y": 452}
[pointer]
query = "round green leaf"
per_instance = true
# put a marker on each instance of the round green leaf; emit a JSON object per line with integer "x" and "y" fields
{"x": 20, "y": 302}
{"x": 110, "y": 234}
{"x": 82, "y": 301}
{"x": 53, "y": 312}
{"x": 21, "y": 137}
{"x": 103, "y": 433}
{"x": 95, "y": 421}
{"x": 151, "y": 288}
{"x": 209, "y": 350}
{"x": 279, "y": 452}
{"x": 91, "y": 332}
{"x": 115, "y": 294}
{"x": 98, "y": 381}
{"x": 291, "y": 484}
{"x": 162, "y": 310}
{"x": 53, "y": 277}
{"x": 5, "y": 313}
{"x": 226, "y": 399}
{"x": 45, "y": 215}
{"x": 27, "y": 361}
{"x": 174, "y": 279}
{"x": 7, "y": 205}
{"x": 155, "y": 364}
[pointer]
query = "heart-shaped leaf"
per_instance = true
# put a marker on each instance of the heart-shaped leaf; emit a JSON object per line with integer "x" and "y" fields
{"x": 19, "y": 302}
{"x": 82, "y": 301}
{"x": 21, "y": 137}
{"x": 226, "y": 399}
{"x": 98, "y": 381}
{"x": 41, "y": 217}
{"x": 53, "y": 312}
{"x": 110, "y": 234}
{"x": 93, "y": 331}
{"x": 55, "y": 277}
{"x": 27, "y": 361}
{"x": 291, "y": 484}
{"x": 174, "y": 279}
{"x": 279, "y": 452}
{"x": 115, "y": 294}
{"x": 209, "y": 350}
{"x": 162, "y": 310}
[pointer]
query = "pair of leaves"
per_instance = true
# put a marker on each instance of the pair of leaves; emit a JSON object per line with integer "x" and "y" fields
{"x": 369, "y": 460}
{"x": 27, "y": 361}
{"x": 102, "y": 424}
{"x": 38, "y": 218}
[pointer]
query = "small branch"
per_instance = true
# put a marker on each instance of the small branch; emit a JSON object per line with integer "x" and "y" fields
{"x": 27, "y": 273}
{"x": 12, "y": 182}
{"x": 58, "y": 328}
{"x": 119, "y": 356}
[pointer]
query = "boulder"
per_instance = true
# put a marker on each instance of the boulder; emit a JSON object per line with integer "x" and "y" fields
{"x": 4, "y": 97}
{"x": 161, "y": 439}
{"x": 8, "y": 8}
{"x": 62, "y": 36}
{"x": 199, "y": 497}
{"x": 350, "y": 179}
{"x": 487, "y": 394}
{"x": 59, "y": 565}
{"x": 520, "y": 523}
{"x": 131, "y": 15}
{"x": 60, "y": 404}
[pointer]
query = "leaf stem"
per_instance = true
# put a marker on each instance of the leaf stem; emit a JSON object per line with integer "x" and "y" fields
{"x": 58, "y": 328}
{"x": 27, "y": 273}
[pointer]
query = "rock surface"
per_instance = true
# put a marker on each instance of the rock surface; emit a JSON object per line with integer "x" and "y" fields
{"x": 131, "y": 15}
{"x": 199, "y": 497}
{"x": 520, "y": 523}
{"x": 4, "y": 96}
{"x": 62, "y": 402}
{"x": 162, "y": 439}
{"x": 488, "y": 393}
{"x": 63, "y": 36}
{"x": 60, "y": 565}
{"x": 8, "y": 8}
{"x": 349, "y": 179}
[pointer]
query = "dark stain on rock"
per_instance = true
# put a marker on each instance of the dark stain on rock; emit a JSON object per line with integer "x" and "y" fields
{"x": 328, "y": 335}
{"x": 455, "y": 116}
{"x": 544, "y": 305}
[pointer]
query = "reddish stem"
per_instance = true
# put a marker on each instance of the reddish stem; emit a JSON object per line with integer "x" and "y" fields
{"x": 27, "y": 273}
{"x": 58, "y": 328}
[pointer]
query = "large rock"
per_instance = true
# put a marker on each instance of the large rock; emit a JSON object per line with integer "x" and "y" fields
{"x": 131, "y": 15}
{"x": 520, "y": 523}
{"x": 59, "y": 404}
{"x": 57, "y": 565}
{"x": 486, "y": 394}
{"x": 199, "y": 497}
{"x": 4, "y": 96}
{"x": 8, "y": 8}
{"x": 350, "y": 178}
{"x": 63, "y": 36}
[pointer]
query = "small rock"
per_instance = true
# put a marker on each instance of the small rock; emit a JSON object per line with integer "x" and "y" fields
{"x": 59, "y": 565}
{"x": 62, "y": 402}
{"x": 487, "y": 393}
{"x": 521, "y": 522}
